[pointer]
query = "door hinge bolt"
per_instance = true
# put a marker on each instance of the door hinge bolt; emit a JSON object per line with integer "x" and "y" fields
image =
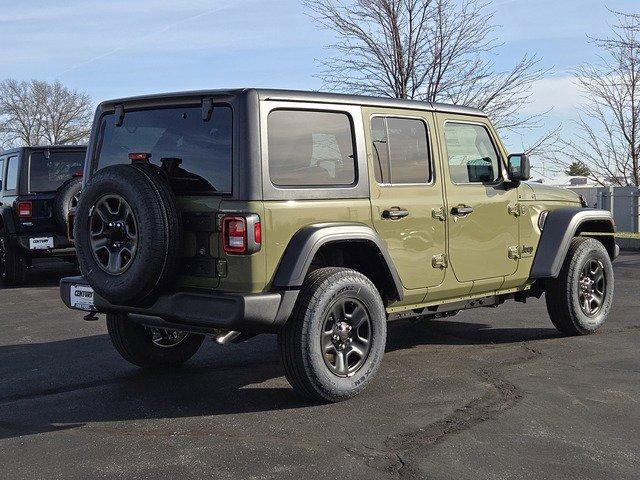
{"x": 439, "y": 214}
{"x": 440, "y": 261}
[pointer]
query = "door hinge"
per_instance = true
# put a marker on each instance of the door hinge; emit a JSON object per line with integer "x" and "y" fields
{"x": 439, "y": 214}
{"x": 514, "y": 252}
{"x": 440, "y": 261}
{"x": 517, "y": 209}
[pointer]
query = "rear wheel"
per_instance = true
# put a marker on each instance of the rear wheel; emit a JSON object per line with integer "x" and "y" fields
{"x": 150, "y": 347}
{"x": 334, "y": 342}
{"x": 13, "y": 264}
{"x": 579, "y": 300}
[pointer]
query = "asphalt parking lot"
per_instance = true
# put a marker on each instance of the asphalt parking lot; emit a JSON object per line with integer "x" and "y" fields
{"x": 489, "y": 393}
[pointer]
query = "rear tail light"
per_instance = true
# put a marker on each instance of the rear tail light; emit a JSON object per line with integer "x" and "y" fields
{"x": 25, "y": 209}
{"x": 241, "y": 234}
{"x": 234, "y": 234}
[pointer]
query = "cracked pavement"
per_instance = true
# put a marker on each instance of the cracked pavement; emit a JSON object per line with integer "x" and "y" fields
{"x": 489, "y": 393}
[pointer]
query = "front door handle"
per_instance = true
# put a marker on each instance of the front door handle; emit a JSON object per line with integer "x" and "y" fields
{"x": 461, "y": 210}
{"x": 395, "y": 213}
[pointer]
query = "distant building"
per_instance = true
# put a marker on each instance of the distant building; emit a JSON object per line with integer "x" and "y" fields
{"x": 567, "y": 181}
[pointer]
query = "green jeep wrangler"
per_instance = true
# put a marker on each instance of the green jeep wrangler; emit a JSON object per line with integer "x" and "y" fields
{"x": 317, "y": 217}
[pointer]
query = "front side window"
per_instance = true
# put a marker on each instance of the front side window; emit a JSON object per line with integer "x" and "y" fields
{"x": 472, "y": 155}
{"x": 310, "y": 148}
{"x": 196, "y": 154}
{"x": 400, "y": 150}
{"x": 12, "y": 173}
{"x": 48, "y": 171}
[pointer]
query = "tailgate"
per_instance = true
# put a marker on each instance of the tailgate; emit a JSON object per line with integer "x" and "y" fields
{"x": 199, "y": 267}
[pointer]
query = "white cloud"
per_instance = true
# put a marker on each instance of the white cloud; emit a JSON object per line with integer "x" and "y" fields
{"x": 561, "y": 95}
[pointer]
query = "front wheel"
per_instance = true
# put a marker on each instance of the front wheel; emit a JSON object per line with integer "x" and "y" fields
{"x": 334, "y": 342}
{"x": 579, "y": 300}
{"x": 151, "y": 347}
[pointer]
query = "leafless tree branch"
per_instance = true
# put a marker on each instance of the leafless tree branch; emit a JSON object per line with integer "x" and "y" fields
{"x": 41, "y": 113}
{"x": 432, "y": 50}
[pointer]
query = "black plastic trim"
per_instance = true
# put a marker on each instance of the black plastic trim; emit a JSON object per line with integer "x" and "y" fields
{"x": 299, "y": 254}
{"x": 560, "y": 228}
{"x": 200, "y": 310}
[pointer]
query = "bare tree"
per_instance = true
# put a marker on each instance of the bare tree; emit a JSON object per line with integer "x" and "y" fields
{"x": 432, "y": 50}
{"x": 608, "y": 127}
{"x": 38, "y": 112}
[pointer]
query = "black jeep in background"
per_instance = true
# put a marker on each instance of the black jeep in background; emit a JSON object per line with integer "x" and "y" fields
{"x": 38, "y": 187}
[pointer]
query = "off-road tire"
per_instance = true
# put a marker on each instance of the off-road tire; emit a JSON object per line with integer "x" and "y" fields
{"x": 64, "y": 201}
{"x": 159, "y": 223}
{"x": 299, "y": 340}
{"x": 562, "y": 293}
{"x": 133, "y": 342}
{"x": 13, "y": 265}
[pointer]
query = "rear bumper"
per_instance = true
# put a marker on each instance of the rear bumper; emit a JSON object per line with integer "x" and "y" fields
{"x": 202, "y": 311}
{"x": 62, "y": 247}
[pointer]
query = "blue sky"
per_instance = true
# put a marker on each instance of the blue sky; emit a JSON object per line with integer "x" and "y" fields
{"x": 114, "y": 48}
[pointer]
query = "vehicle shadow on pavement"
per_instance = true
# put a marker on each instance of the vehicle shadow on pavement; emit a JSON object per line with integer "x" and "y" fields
{"x": 65, "y": 384}
{"x": 403, "y": 334}
{"x": 46, "y": 275}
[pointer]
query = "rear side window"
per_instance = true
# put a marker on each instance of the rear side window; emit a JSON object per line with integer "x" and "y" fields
{"x": 472, "y": 156}
{"x": 400, "y": 150}
{"x": 12, "y": 173}
{"x": 48, "y": 171}
{"x": 310, "y": 148}
{"x": 196, "y": 154}
{"x": 1, "y": 172}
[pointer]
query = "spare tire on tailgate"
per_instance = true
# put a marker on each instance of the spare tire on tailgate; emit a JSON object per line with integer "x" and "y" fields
{"x": 66, "y": 199}
{"x": 128, "y": 233}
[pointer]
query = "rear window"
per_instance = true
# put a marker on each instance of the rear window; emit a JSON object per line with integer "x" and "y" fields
{"x": 310, "y": 148}
{"x": 49, "y": 170}
{"x": 196, "y": 154}
{"x": 401, "y": 150}
{"x": 12, "y": 174}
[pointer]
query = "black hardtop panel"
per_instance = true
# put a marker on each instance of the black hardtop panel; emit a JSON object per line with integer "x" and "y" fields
{"x": 57, "y": 148}
{"x": 293, "y": 96}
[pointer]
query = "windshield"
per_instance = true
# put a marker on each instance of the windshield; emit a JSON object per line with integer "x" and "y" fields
{"x": 195, "y": 153}
{"x": 47, "y": 172}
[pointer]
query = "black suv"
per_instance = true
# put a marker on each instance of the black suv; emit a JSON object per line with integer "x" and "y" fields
{"x": 38, "y": 187}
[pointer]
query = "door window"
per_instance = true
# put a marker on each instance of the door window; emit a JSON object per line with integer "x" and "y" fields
{"x": 12, "y": 174}
{"x": 310, "y": 148}
{"x": 472, "y": 156}
{"x": 401, "y": 150}
{"x": 1, "y": 172}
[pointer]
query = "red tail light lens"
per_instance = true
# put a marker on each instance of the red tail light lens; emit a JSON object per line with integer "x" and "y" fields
{"x": 257, "y": 232}
{"x": 234, "y": 234}
{"x": 25, "y": 209}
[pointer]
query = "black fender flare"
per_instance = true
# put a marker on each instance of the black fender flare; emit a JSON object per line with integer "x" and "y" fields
{"x": 306, "y": 242}
{"x": 7, "y": 225}
{"x": 560, "y": 227}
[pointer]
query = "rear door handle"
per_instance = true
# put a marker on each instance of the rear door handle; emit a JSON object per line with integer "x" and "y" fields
{"x": 395, "y": 213}
{"x": 461, "y": 210}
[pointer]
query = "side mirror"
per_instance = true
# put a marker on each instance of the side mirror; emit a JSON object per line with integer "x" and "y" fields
{"x": 519, "y": 167}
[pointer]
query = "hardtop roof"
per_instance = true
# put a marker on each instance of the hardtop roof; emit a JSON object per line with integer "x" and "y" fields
{"x": 311, "y": 97}
{"x": 43, "y": 147}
